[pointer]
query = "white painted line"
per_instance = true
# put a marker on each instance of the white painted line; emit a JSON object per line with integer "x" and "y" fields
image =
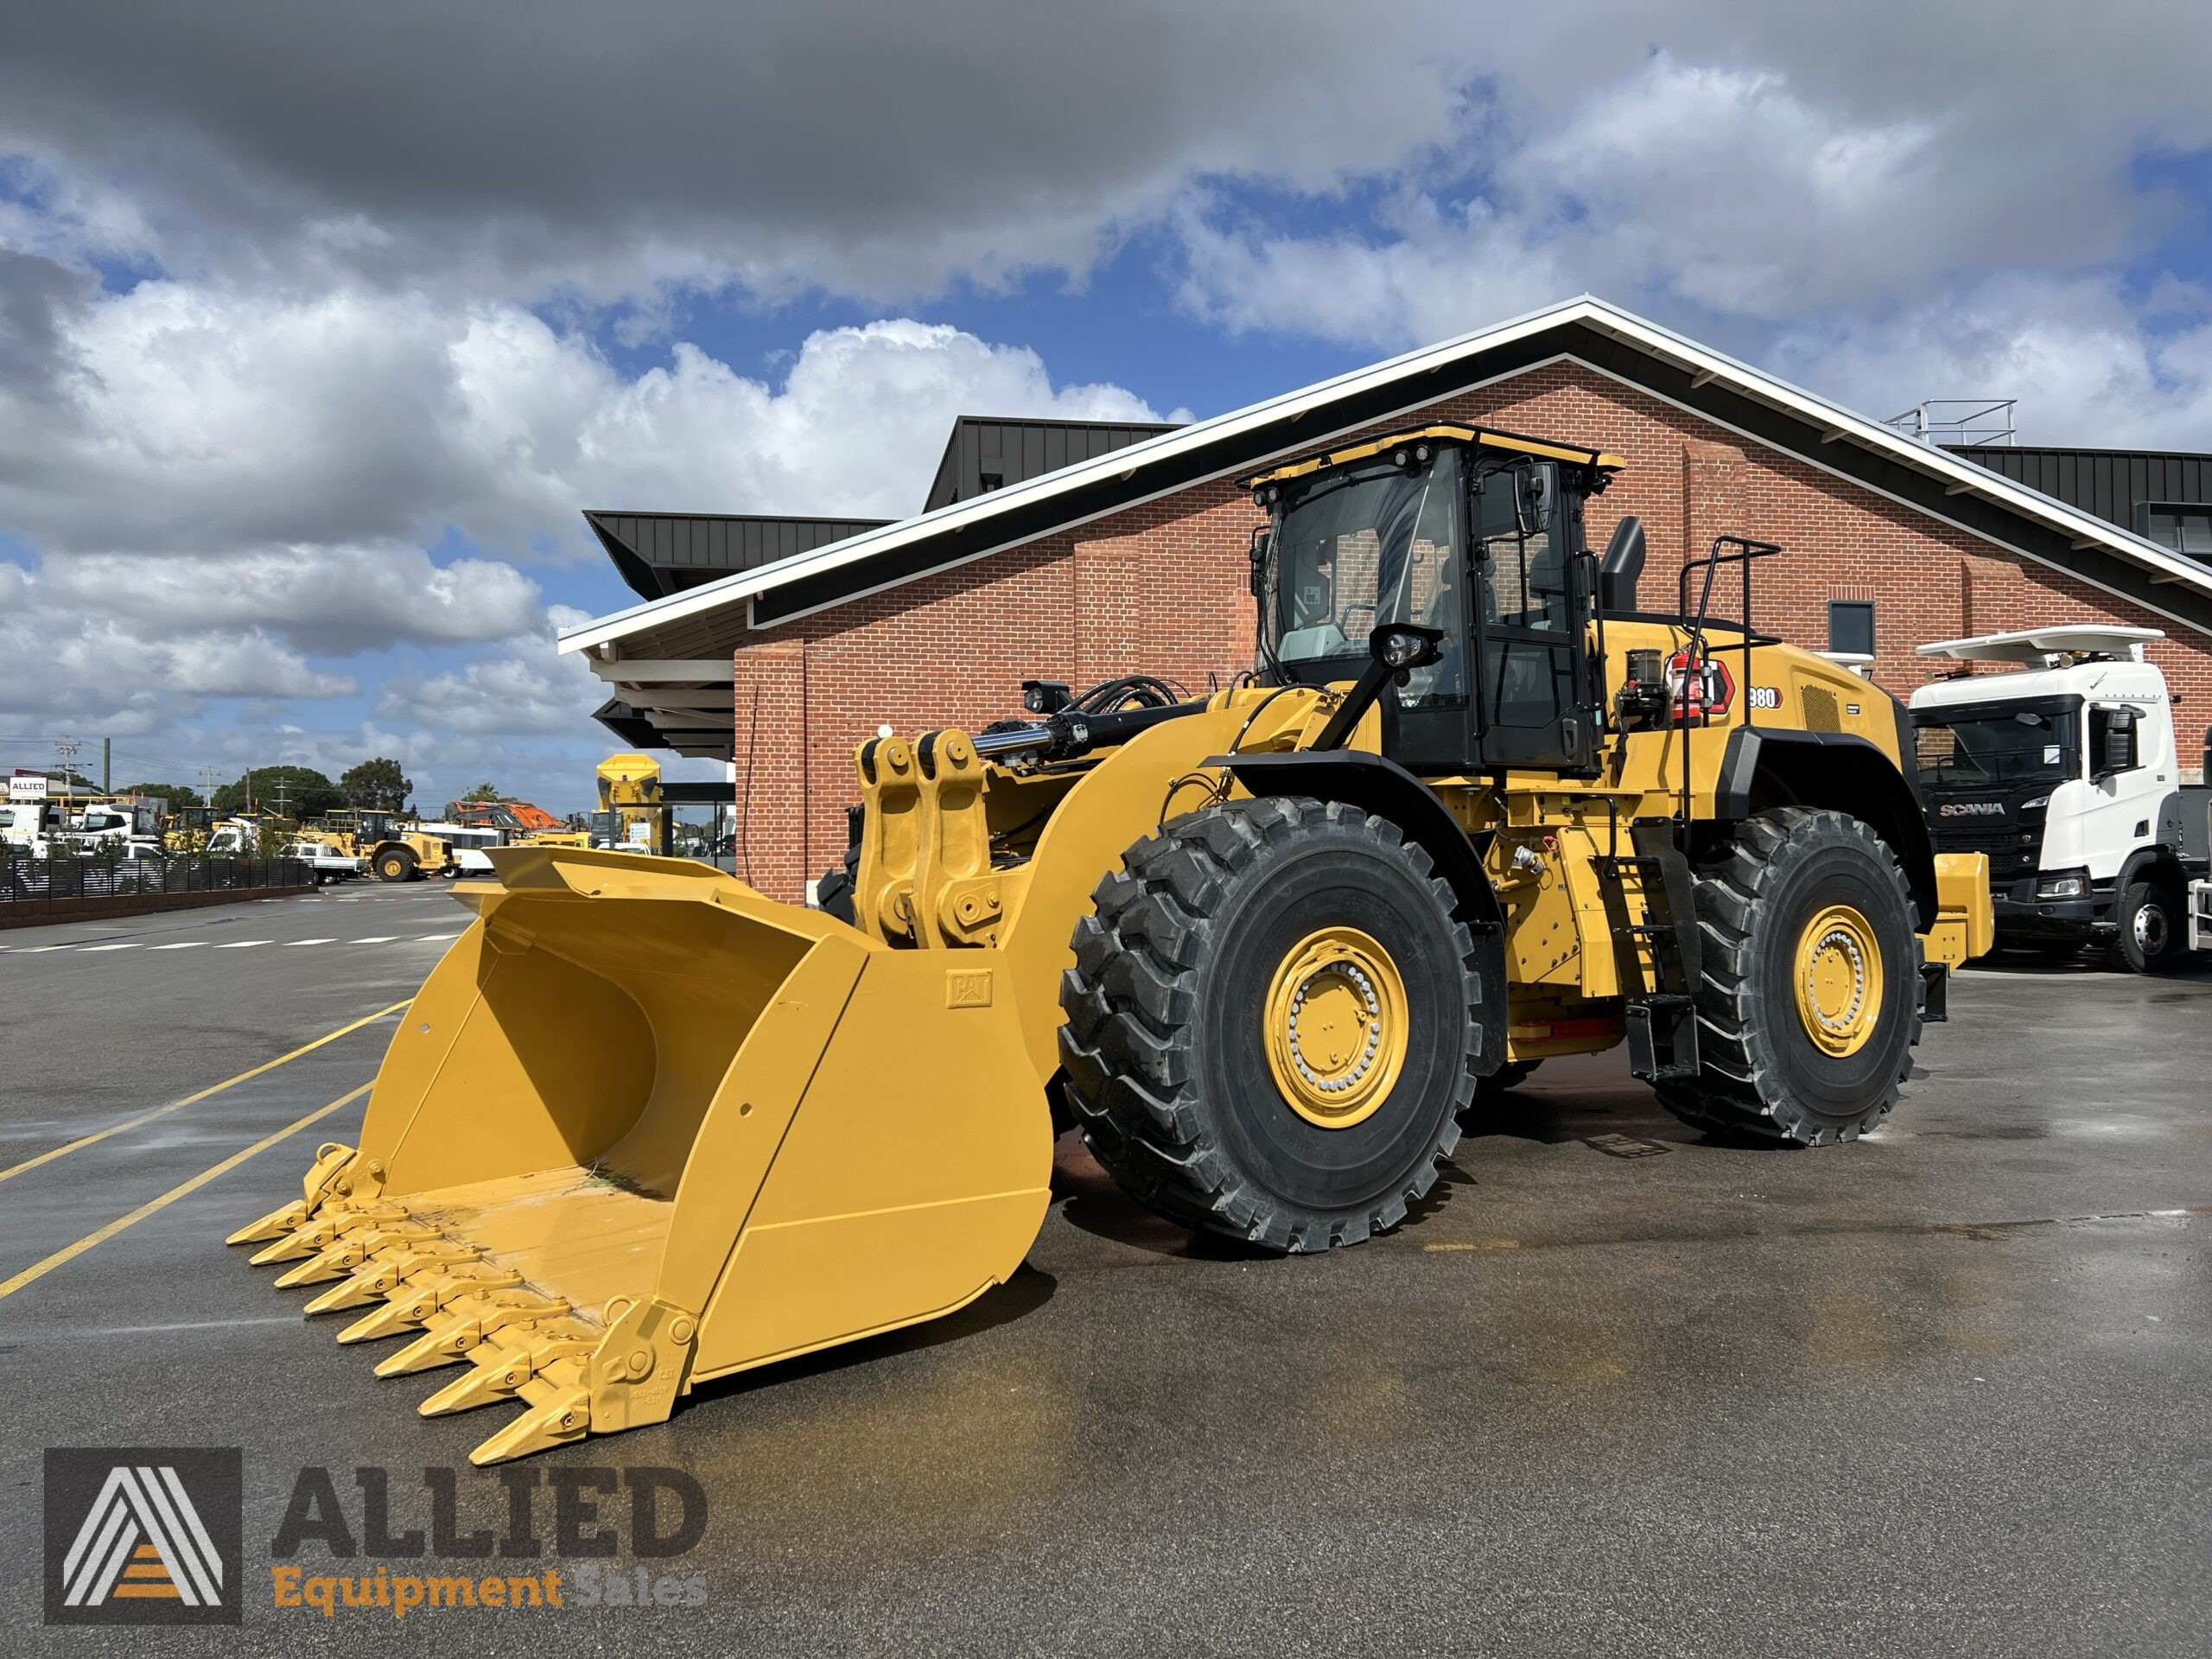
{"x": 132, "y": 945}
{"x": 375, "y": 938}
{"x": 241, "y": 944}
{"x": 437, "y": 938}
{"x": 187, "y": 944}
{"x": 35, "y": 950}
{"x": 293, "y": 944}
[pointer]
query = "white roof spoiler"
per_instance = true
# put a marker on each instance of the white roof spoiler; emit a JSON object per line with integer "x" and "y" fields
{"x": 2035, "y": 644}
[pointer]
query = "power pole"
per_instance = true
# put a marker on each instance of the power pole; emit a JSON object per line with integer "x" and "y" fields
{"x": 107, "y": 757}
{"x": 67, "y": 747}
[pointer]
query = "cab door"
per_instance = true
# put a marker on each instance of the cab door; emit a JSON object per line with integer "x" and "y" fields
{"x": 1534, "y": 704}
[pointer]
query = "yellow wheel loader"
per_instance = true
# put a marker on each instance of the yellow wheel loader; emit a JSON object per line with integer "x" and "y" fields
{"x": 388, "y": 847}
{"x": 1272, "y": 950}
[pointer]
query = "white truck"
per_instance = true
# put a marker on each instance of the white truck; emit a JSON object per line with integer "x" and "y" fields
{"x": 2066, "y": 775}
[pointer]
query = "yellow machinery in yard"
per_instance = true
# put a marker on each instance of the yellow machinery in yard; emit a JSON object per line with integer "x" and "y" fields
{"x": 389, "y": 848}
{"x": 630, "y": 812}
{"x": 1272, "y": 950}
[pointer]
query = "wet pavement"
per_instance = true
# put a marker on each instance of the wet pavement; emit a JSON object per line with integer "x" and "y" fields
{"x": 1614, "y": 1388}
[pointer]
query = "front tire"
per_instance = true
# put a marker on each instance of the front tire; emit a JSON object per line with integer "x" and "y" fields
{"x": 395, "y": 864}
{"x": 1810, "y": 1005}
{"x": 2152, "y": 928}
{"x": 1273, "y": 1023}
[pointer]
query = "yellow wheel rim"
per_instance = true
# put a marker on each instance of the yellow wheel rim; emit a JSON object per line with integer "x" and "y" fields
{"x": 1336, "y": 1026}
{"x": 1839, "y": 975}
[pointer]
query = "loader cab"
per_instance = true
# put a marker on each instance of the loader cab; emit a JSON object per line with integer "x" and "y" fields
{"x": 1476, "y": 534}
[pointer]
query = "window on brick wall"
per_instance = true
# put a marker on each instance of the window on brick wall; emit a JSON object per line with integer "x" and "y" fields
{"x": 1851, "y": 625}
{"x": 2185, "y": 528}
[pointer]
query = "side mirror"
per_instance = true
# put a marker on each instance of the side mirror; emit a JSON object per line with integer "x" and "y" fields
{"x": 2112, "y": 741}
{"x": 1532, "y": 500}
{"x": 1263, "y": 548}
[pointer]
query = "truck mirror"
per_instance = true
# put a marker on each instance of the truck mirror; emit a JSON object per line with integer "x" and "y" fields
{"x": 2112, "y": 741}
{"x": 1263, "y": 542}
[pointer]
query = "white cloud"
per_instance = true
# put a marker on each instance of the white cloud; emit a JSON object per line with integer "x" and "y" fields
{"x": 328, "y": 600}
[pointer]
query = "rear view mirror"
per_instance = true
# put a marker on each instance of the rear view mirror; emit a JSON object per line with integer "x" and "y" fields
{"x": 1263, "y": 542}
{"x": 1532, "y": 500}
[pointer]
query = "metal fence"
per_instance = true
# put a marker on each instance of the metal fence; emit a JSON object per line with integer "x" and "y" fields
{"x": 22, "y": 877}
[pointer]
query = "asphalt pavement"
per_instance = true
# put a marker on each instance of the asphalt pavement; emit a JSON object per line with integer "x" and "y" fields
{"x": 1616, "y": 1389}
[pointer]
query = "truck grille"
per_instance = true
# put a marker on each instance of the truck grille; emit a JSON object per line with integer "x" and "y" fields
{"x": 2012, "y": 852}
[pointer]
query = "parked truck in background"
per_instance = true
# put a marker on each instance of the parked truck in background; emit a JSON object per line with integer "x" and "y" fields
{"x": 2066, "y": 773}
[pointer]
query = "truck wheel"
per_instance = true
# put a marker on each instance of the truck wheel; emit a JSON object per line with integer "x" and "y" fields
{"x": 1810, "y": 1005}
{"x": 1272, "y": 1023}
{"x": 2151, "y": 928}
{"x": 395, "y": 864}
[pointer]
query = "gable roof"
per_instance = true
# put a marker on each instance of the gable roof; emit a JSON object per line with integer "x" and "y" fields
{"x": 711, "y": 620}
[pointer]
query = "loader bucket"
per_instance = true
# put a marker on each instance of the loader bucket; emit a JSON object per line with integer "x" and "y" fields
{"x": 643, "y": 1127}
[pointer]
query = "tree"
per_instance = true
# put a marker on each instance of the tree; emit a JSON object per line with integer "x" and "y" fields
{"x": 378, "y": 785}
{"x": 484, "y": 792}
{"x": 175, "y": 794}
{"x": 298, "y": 791}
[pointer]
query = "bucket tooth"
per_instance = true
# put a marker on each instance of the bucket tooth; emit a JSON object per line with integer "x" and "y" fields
{"x": 395, "y": 1316}
{"x": 540, "y": 1429}
{"x": 452, "y": 1338}
{"x": 333, "y": 1226}
{"x": 497, "y": 1373}
{"x": 285, "y": 1219}
{"x": 417, "y": 1302}
{"x": 306, "y": 1239}
{"x": 366, "y": 1285}
{"x": 381, "y": 1277}
{"x": 335, "y": 1262}
{"x": 446, "y": 1342}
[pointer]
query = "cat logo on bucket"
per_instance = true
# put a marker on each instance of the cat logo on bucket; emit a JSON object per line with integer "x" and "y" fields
{"x": 138, "y": 1535}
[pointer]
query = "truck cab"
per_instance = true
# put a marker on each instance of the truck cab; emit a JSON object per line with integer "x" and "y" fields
{"x": 2066, "y": 775}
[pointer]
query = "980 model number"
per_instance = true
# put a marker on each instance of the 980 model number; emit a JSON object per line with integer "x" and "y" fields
{"x": 1766, "y": 697}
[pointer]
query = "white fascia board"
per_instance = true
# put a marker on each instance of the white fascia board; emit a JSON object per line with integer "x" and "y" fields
{"x": 644, "y": 670}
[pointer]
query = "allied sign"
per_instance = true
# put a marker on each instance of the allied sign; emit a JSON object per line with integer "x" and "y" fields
{"x": 27, "y": 786}
{"x": 138, "y": 1535}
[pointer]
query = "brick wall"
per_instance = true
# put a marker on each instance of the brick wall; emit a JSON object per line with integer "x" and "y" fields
{"x": 1161, "y": 590}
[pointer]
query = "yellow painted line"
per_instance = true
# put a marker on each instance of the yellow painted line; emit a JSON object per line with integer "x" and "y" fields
{"x": 39, "y": 1270}
{"x": 215, "y": 1088}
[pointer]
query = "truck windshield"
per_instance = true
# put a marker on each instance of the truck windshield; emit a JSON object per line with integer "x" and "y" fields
{"x": 2016, "y": 743}
{"x": 1354, "y": 549}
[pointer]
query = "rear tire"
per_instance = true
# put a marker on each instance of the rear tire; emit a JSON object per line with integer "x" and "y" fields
{"x": 1186, "y": 1065}
{"x": 1809, "y": 1004}
{"x": 396, "y": 864}
{"x": 2153, "y": 928}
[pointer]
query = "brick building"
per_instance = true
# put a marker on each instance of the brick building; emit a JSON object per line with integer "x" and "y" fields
{"x": 1078, "y": 553}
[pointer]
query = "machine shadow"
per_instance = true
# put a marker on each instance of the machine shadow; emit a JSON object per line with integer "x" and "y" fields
{"x": 1029, "y": 1290}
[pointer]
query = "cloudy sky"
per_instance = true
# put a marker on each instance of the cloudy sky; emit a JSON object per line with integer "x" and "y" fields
{"x": 319, "y": 324}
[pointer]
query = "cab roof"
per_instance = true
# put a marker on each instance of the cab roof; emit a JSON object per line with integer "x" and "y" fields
{"x": 1511, "y": 443}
